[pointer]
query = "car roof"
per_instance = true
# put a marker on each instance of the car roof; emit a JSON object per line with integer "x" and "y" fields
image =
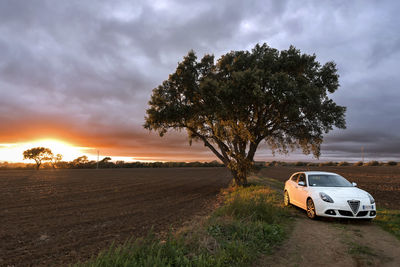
{"x": 316, "y": 172}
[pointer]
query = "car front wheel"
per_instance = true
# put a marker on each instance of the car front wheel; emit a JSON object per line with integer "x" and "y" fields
{"x": 286, "y": 199}
{"x": 311, "y": 209}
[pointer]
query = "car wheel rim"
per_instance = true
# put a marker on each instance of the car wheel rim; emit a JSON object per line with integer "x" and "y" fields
{"x": 310, "y": 209}
{"x": 286, "y": 199}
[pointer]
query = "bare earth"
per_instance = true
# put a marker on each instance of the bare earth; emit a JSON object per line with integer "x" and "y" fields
{"x": 335, "y": 243}
{"x": 330, "y": 242}
{"x": 57, "y": 217}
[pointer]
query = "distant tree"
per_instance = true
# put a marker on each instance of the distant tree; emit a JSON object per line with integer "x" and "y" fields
{"x": 105, "y": 160}
{"x": 38, "y": 154}
{"x": 55, "y": 160}
{"x": 105, "y": 163}
{"x": 80, "y": 162}
{"x": 246, "y": 97}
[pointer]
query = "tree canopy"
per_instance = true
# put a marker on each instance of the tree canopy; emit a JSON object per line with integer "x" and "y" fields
{"x": 246, "y": 97}
{"x": 38, "y": 154}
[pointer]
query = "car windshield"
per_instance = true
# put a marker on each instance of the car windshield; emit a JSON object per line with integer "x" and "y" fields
{"x": 328, "y": 180}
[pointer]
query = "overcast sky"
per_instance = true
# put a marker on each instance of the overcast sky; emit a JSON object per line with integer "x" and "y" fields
{"x": 82, "y": 71}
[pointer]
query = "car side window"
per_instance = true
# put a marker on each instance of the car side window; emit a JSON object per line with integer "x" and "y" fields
{"x": 294, "y": 178}
{"x": 302, "y": 178}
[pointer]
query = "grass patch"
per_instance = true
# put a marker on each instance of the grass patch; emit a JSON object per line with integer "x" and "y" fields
{"x": 249, "y": 223}
{"x": 360, "y": 250}
{"x": 271, "y": 182}
{"x": 389, "y": 220}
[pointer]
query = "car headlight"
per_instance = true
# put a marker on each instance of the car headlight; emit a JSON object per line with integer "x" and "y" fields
{"x": 325, "y": 197}
{"x": 371, "y": 199}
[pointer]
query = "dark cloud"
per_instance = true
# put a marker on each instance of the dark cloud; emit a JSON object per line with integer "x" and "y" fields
{"x": 85, "y": 69}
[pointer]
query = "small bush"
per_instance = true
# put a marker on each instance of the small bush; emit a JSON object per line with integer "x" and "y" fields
{"x": 372, "y": 163}
{"x": 311, "y": 164}
{"x": 358, "y": 163}
{"x": 391, "y": 163}
{"x": 343, "y": 163}
{"x": 300, "y": 163}
{"x": 328, "y": 163}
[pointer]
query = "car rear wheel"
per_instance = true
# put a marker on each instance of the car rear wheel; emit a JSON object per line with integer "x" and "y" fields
{"x": 286, "y": 199}
{"x": 311, "y": 209}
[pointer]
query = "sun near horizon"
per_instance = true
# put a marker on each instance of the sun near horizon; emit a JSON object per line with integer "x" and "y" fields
{"x": 13, "y": 152}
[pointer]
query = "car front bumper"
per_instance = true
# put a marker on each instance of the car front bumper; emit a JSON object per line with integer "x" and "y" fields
{"x": 342, "y": 209}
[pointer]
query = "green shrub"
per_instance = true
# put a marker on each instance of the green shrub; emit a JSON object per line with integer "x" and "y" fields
{"x": 300, "y": 163}
{"x": 391, "y": 163}
{"x": 358, "y": 163}
{"x": 343, "y": 163}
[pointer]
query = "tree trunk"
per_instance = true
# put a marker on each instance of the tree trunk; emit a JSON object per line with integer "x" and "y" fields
{"x": 240, "y": 179}
{"x": 38, "y": 163}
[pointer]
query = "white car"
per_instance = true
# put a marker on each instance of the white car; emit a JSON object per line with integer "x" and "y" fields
{"x": 328, "y": 194}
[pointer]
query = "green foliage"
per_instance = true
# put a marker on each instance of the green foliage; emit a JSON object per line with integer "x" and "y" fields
{"x": 246, "y": 97}
{"x": 389, "y": 220}
{"x": 343, "y": 163}
{"x": 358, "y": 163}
{"x": 38, "y": 154}
{"x": 392, "y": 163}
{"x": 249, "y": 223}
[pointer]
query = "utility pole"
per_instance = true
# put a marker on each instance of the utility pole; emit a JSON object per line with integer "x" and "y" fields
{"x": 97, "y": 159}
{"x": 362, "y": 153}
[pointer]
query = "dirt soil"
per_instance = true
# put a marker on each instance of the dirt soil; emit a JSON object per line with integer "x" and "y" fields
{"x": 383, "y": 182}
{"x": 57, "y": 217}
{"x": 327, "y": 242}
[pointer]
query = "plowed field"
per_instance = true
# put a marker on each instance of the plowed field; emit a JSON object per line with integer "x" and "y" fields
{"x": 57, "y": 217}
{"x": 383, "y": 182}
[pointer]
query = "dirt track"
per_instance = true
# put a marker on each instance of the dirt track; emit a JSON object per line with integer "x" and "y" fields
{"x": 383, "y": 182}
{"x": 55, "y": 217}
{"x": 335, "y": 243}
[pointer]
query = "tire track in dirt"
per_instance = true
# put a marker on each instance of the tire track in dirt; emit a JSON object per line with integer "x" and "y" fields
{"x": 335, "y": 243}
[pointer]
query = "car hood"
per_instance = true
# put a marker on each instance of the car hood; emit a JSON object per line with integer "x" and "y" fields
{"x": 342, "y": 192}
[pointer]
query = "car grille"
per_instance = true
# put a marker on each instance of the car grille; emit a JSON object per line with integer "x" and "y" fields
{"x": 345, "y": 213}
{"x": 362, "y": 213}
{"x": 354, "y": 205}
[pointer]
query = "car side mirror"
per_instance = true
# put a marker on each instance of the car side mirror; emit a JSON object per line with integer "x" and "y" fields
{"x": 301, "y": 183}
{"x": 354, "y": 184}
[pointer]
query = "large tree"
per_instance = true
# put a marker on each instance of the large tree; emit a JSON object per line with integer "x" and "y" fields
{"x": 38, "y": 154}
{"x": 246, "y": 97}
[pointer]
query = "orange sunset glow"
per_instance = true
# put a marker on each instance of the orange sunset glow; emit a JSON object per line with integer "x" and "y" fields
{"x": 13, "y": 152}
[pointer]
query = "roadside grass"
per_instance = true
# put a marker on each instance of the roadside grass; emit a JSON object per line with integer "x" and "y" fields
{"x": 360, "y": 250}
{"x": 250, "y": 222}
{"x": 389, "y": 220}
{"x": 271, "y": 182}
